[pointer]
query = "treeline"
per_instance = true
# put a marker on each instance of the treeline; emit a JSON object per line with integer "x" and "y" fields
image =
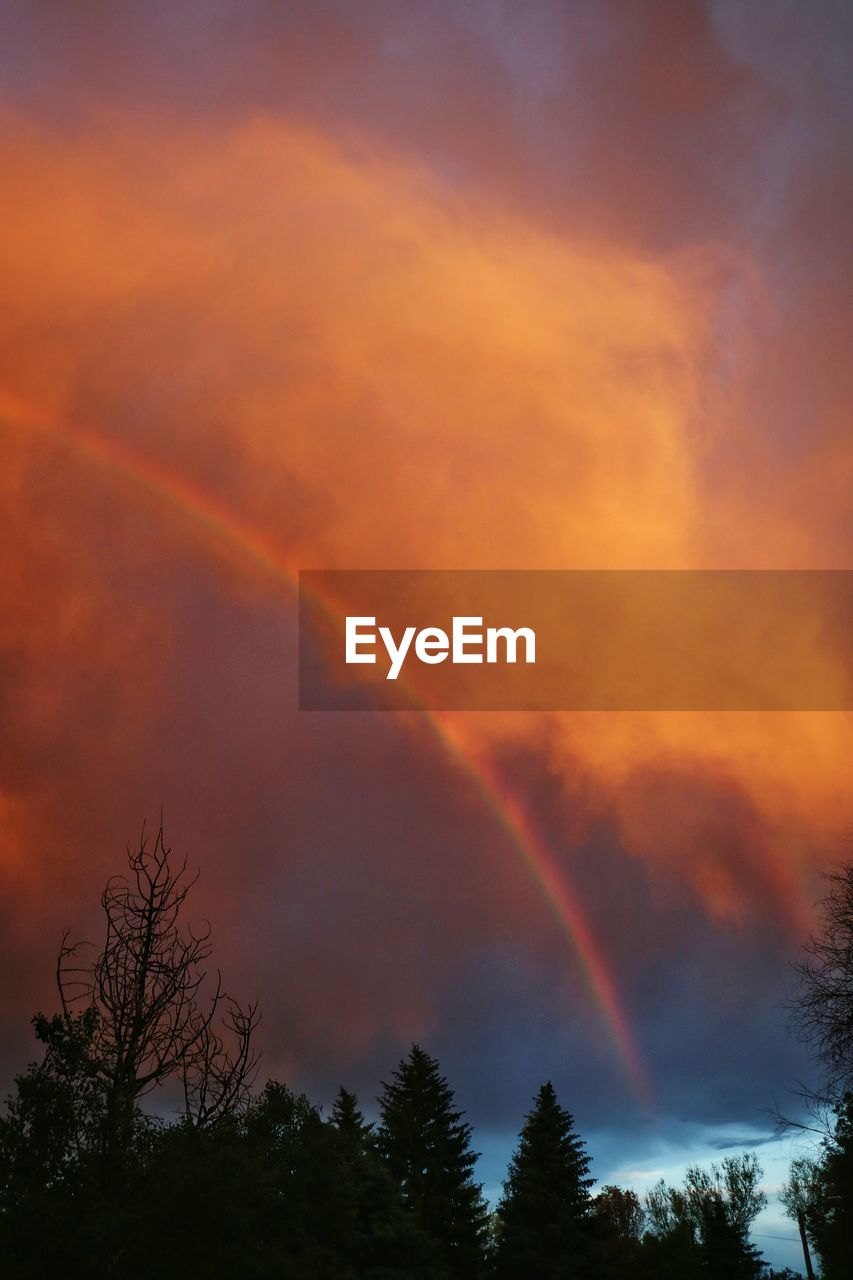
{"x": 272, "y": 1189}
{"x": 244, "y": 1183}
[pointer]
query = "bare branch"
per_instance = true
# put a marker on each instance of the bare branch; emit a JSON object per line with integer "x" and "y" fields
{"x": 146, "y": 987}
{"x": 822, "y": 1009}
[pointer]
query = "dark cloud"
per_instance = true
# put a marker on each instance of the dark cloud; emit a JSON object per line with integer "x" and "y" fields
{"x": 673, "y": 121}
{"x": 742, "y": 1142}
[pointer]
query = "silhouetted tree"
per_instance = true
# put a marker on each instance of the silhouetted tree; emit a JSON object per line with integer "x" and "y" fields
{"x": 622, "y": 1211}
{"x": 385, "y": 1239}
{"x": 822, "y": 1013}
{"x": 619, "y": 1219}
{"x": 544, "y": 1213}
{"x": 670, "y": 1249}
{"x": 153, "y": 1020}
{"x": 426, "y": 1146}
{"x": 822, "y": 1009}
{"x": 347, "y": 1118}
{"x": 674, "y": 1255}
{"x": 55, "y": 1208}
{"x": 259, "y": 1194}
{"x": 703, "y": 1228}
{"x": 73, "y": 1141}
{"x": 803, "y": 1200}
{"x": 276, "y": 1191}
{"x": 826, "y": 1195}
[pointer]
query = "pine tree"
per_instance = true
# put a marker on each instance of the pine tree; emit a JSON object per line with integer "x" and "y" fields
{"x": 385, "y": 1243}
{"x": 426, "y": 1146}
{"x": 544, "y": 1214}
{"x": 349, "y": 1121}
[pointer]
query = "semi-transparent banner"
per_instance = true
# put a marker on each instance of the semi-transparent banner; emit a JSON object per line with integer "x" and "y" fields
{"x": 576, "y": 640}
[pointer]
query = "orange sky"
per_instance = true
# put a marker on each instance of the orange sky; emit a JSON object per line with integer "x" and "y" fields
{"x": 408, "y": 341}
{"x": 375, "y": 372}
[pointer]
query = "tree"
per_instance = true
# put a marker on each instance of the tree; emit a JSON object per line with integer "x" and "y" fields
{"x": 153, "y": 1020}
{"x": 835, "y": 1232}
{"x": 670, "y": 1248}
{"x": 385, "y": 1242}
{"x": 426, "y": 1146}
{"x": 703, "y": 1228}
{"x": 735, "y": 1185}
{"x": 803, "y": 1200}
{"x": 822, "y": 1009}
{"x": 822, "y": 1014}
{"x": 819, "y": 1196}
{"x": 77, "y": 1154}
{"x": 544, "y": 1214}
{"x": 622, "y": 1211}
{"x": 619, "y": 1219}
{"x": 259, "y": 1194}
{"x": 55, "y": 1208}
{"x": 348, "y": 1120}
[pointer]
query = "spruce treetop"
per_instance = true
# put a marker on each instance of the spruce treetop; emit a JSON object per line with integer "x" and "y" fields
{"x": 426, "y": 1145}
{"x": 544, "y": 1214}
{"x": 348, "y": 1119}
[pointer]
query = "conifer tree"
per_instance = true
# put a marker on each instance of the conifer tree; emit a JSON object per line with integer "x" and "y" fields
{"x": 386, "y": 1243}
{"x": 544, "y": 1214}
{"x": 426, "y": 1145}
{"x": 349, "y": 1121}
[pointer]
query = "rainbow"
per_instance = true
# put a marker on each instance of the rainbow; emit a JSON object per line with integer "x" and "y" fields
{"x": 524, "y": 835}
{"x": 245, "y": 544}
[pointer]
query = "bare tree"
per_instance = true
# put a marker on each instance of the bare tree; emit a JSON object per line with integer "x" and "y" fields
{"x": 822, "y": 1009}
{"x": 155, "y": 1018}
{"x": 217, "y": 1075}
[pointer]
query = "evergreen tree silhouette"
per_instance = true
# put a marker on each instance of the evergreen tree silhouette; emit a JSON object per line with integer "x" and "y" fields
{"x": 426, "y": 1146}
{"x": 544, "y": 1214}
{"x": 349, "y": 1121}
{"x": 385, "y": 1242}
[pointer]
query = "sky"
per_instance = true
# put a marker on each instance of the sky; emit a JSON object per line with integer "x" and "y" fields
{"x": 446, "y": 285}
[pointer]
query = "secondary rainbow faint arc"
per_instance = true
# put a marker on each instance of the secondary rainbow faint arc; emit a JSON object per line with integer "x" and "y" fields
{"x": 249, "y": 543}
